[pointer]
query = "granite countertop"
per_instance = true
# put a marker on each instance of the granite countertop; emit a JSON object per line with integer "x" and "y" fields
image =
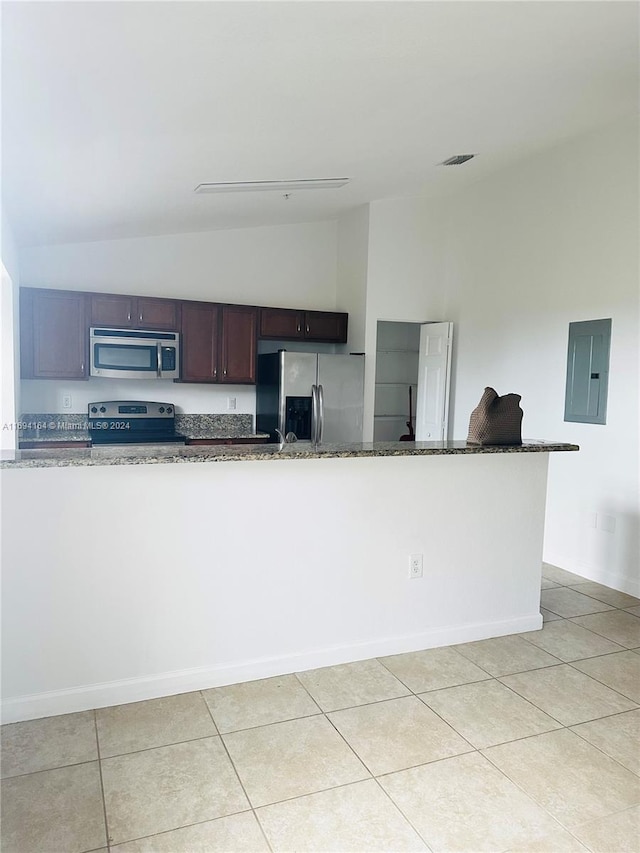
{"x": 146, "y": 455}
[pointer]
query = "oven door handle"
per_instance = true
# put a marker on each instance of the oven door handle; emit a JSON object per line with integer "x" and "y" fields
{"x": 159, "y": 358}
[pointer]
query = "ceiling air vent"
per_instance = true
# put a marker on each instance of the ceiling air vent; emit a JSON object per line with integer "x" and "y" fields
{"x": 458, "y": 160}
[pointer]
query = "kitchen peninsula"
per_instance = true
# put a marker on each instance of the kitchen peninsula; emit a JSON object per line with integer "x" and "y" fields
{"x": 123, "y": 584}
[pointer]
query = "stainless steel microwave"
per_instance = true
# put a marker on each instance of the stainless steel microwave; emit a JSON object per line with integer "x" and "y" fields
{"x": 131, "y": 354}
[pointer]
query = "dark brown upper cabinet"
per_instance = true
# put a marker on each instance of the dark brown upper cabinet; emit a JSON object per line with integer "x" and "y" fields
{"x": 328, "y": 326}
{"x": 218, "y": 343}
{"x": 134, "y": 312}
{"x": 112, "y": 311}
{"x": 285, "y": 324}
{"x": 281, "y": 324}
{"x": 53, "y": 334}
{"x": 239, "y": 339}
{"x": 200, "y": 342}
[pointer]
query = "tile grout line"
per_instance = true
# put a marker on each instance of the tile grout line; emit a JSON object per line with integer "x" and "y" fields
{"x": 104, "y": 801}
{"x": 235, "y": 770}
{"x": 593, "y": 631}
{"x": 175, "y": 829}
{"x": 615, "y": 606}
{"x": 46, "y": 769}
{"x": 306, "y": 690}
{"x": 466, "y": 657}
{"x": 529, "y": 702}
{"x": 595, "y": 746}
{"x": 411, "y": 693}
{"x": 397, "y": 807}
{"x": 569, "y": 619}
{"x": 593, "y": 677}
{"x": 529, "y": 796}
{"x": 453, "y": 648}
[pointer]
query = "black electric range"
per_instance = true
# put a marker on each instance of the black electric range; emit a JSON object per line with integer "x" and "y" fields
{"x": 133, "y": 422}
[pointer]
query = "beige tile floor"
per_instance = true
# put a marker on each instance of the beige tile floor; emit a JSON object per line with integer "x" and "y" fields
{"x": 521, "y": 743}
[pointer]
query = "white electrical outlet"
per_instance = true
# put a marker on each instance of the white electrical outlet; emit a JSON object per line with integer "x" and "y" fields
{"x": 231, "y": 404}
{"x": 415, "y": 566}
{"x": 66, "y": 401}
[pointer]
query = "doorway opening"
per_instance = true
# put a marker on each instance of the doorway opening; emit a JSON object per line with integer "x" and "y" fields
{"x": 397, "y": 355}
{"x": 413, "y": 371}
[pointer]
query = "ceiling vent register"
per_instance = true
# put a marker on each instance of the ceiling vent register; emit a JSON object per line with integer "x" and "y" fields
{"x": 458, "y": 160}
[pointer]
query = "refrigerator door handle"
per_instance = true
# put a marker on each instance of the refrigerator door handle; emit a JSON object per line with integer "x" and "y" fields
{"x": 320, "y": 413}
{"x": 314, "y": 414}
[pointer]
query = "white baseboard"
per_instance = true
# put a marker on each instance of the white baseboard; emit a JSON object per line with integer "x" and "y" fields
{"x": 623, "y": 583}
{"x": 105, "y": 694}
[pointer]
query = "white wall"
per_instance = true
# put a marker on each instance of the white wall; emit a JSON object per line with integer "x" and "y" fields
{"x": 284, "y": 266}
{"x": 352, "y": 271}
{"x": 9, "y": 338}
{"x": 147, "y": 580}
{"x": 551, "y": 241}
{"x": 46, "y": 395}
{"x": 404, "y": 281}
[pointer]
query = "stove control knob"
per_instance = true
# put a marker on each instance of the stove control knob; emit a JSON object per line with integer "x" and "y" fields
{"x": 93, "y": 410}
{"x": 169, "y": 410}
{"x": 161, "y": 410}
{"x": 102, "y": 409}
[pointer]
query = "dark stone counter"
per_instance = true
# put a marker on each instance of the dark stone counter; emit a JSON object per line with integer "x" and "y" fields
{"x": 157, "y": 454}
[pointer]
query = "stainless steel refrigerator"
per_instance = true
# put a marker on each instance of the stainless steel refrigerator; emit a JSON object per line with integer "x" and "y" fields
{"x": 316, "y": 396}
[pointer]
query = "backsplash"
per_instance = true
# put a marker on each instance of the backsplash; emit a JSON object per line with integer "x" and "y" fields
{"x": 214, "y": 426}
{"x": 54, "y": 426}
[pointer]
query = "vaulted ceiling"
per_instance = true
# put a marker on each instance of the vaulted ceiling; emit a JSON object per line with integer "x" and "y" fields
{"x": 112, "y": 112}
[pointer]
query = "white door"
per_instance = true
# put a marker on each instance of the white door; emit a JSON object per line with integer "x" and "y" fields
{"x": 434, "y": 371}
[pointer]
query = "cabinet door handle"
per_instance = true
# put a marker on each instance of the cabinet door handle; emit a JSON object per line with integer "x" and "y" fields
{"x": 307, "y": 328}
{"x": 215, "y": 372}
{"x": 298, "y": 329}
{"x": 82, "y": 367}
{"x": 224, "y": 372}
{"x": 129, "y": 316}
{"x": 141, "y": 318}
